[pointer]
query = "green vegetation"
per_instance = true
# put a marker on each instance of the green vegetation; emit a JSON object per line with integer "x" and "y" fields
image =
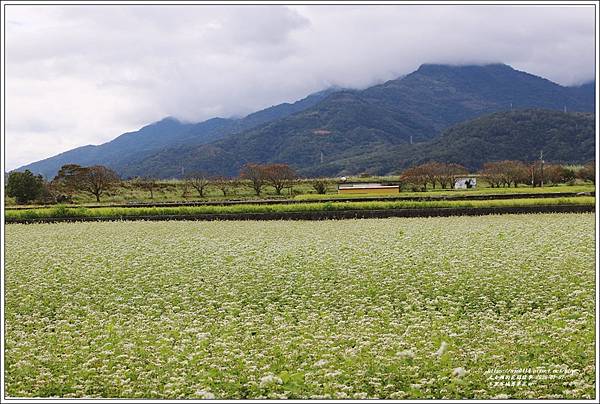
{"x": 117, "y": 212}
{"x": 24, "y": 186}
{"x": 509, "y": 135}
{"x": 387, "y": 308}
{"x": 175, "y": 191}
{"x": 463, "y": 192}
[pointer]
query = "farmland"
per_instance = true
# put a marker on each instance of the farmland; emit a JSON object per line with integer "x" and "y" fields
{"x": 388, "y": 308}
{"x": 119, "y": 212}
{"x": 176, "y": 191}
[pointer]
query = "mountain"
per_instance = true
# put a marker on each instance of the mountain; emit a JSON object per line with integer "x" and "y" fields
{"x": 348, "y": 124}
{"x": 564, "y": 137}
{"x": 132, "y": 147}
{"x": 334, "y": 128}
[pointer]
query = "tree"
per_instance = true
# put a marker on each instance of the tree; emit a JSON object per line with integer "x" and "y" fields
{"x": 555, "y": 174}
{"x": 511, "y": 172}
{"x": 320, "y": 185}
{"x": 52, "y": 194}
{"x": 67, "y": 179}
{"x": 95, "y": 179}
{"x": 492, "y": 173}
{"x": 433, "y": 173}
{"x": 185, "y": 192}
{"x": 199, "y": 181}
{"x": 146, "y": 183}
{"x": 506, "y": 172}
{"x": 448, "y": 172}
{"x": 588, "y": 172}
{"x": 430, "y": 172}
{"x": 552, "y": 174}
{"x": 256, "y": 174}
{"x": 416, "y": 176}
{"x": 224, "y": 184}
{"x": 24, "y": 186}
{"x": 279, "y": 176}
{"x": 568, "y": 175}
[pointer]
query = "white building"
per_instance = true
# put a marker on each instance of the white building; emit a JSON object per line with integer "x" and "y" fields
{"x": 465, "y": 183}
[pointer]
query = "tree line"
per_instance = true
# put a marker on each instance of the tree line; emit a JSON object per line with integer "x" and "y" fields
{"x": 26, "y": 187}
{"x": 98, "y": 180}
{"x": 497, "y": 174}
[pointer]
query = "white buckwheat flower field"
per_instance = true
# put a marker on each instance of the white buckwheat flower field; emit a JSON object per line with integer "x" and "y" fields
{"x": 458, "y": 307}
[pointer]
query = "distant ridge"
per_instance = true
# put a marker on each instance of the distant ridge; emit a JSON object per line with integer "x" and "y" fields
{"x": 343, "y": 125}
{"x": 132, "y": 147}
{"x": 510, "y": 135}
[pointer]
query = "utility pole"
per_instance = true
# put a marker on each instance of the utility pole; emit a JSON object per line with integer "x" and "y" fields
{"x": 542, "y": 167}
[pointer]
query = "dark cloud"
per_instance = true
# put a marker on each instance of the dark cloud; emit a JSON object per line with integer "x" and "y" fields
{"x": 90, "y": 73}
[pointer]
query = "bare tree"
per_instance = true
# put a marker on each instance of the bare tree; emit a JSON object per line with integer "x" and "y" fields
{"x": 493, "y": 173}
{"x": 506, "y": 173}
{"x": 224, "y": 184}
{"x": 185, "y": 192}
{"x": 279, "y": 176}
{"x": 588, "y": 172}
{"x": 99, "y": 179}
{"x": 556, "y": 174}
{"x": 96, "y": 179}
{"x": 431, "y": 172}
{"x": 552, "y": 173}
{"x": 256, "y": 174}
{"x": 448, "y": 172}
{"x": 146, "y": 183}
{"x": 538, "y": 173}
{"x": 416, "y": 176}
{"x": 516, "y": 172}
{"x": 198, "y": 181}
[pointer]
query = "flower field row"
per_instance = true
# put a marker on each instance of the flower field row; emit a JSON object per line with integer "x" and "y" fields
{"x": 378, "y": 308}
{"x": 63, "y": 211}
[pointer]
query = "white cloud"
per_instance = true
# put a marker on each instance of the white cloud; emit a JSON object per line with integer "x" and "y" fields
{"x": 77, "y": 75}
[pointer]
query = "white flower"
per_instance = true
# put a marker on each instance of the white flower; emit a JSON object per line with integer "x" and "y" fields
{"x": 406, "y": 354}
{"x": 442, "y": 350}
{"x": 333, "y": 374}
{"x": 269, "y": 380}
{"x": 459, "y": 372}
{"x": 321, "y": 363}
{"x": 206, "y": 395}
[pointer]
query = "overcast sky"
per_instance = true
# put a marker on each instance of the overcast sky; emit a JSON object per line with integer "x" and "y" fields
{"x": 78, "y": 75}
